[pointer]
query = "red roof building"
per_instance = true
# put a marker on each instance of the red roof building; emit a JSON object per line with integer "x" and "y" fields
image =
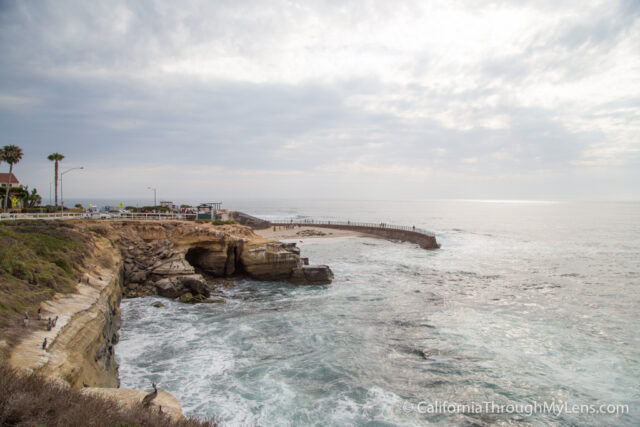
{"x": 4, "y": 180}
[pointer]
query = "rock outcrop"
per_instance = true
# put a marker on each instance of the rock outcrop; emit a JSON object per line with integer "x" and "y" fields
{"x": 149, "y": 258}
{"x": 165, "y": 258}
{"x": 130, "y": 398}
{"x": 81, "y": 345}
{"x": 312, "y": 275}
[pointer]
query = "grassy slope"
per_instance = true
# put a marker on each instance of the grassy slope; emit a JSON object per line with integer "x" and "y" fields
{"x": 37, "y": 259}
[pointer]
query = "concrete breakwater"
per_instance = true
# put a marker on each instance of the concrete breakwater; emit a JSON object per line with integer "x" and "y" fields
{"x": 423, "y": 238}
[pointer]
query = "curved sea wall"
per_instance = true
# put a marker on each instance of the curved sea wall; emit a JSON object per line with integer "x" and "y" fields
{"x": 425, "y": 241}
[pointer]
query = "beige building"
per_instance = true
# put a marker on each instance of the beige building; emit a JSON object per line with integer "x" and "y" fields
{"x": 4, "y": 180}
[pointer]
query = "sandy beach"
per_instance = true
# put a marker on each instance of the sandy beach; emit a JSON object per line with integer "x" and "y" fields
{"x": 282, "y": 233}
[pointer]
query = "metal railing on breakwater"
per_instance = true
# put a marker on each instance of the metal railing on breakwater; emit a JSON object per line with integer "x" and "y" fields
{"x": 380, "y": 226}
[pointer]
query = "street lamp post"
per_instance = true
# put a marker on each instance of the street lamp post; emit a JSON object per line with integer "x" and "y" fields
{"x": 61, "y": 197}
{"x": 155, "y": 199}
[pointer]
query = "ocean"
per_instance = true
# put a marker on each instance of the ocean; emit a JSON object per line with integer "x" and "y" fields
{"x": 527, "y": 315}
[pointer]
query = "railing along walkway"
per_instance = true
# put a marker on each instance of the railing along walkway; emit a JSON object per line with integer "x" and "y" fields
{"x": 380, "y": 226}
{"x": 96, "y": 216}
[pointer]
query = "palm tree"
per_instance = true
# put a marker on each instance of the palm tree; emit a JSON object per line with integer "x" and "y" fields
{"x": 12, "y": 155}
{"x": 55, "y": 157}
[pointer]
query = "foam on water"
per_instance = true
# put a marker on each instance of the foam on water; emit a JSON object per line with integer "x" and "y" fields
{"x": 521, "y": 307}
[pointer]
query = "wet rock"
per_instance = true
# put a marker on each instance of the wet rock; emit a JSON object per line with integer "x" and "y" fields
{"x": 186, "y": 297}
{"x": 195, "y": 286}
{"x": 312, "y": 275}
{"x": 167, "y": 289}
{"x": 158, "y": 304}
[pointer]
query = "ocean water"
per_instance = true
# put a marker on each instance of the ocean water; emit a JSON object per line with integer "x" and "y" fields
{"x": 526, "y": 308}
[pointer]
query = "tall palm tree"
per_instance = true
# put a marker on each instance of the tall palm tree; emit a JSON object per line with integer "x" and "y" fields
{"x": 12, "y": 155}
{"x": 55, "y": 157}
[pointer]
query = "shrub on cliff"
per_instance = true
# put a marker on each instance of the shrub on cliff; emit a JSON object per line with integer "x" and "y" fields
{"x": 223, "y": 222}
{"x": 30, "y": 400}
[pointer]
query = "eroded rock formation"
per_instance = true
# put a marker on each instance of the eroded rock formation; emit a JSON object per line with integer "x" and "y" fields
{"x": 148, "y": 258}
{"x": 169, "y": 259}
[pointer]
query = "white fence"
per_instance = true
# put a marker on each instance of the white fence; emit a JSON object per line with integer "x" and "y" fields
{"x": 97, "y": 216}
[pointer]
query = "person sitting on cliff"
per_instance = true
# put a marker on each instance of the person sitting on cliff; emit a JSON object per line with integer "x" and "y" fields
{"x": 39, "y": 313}
{"x": 44, "y": 344}
{"x": 25, "y": 321}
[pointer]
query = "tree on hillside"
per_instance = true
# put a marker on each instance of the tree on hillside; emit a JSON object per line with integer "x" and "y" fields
{"x": 1, "y": 155}
{"x": 12, "y": 155}
{"x": 56, "y": 157}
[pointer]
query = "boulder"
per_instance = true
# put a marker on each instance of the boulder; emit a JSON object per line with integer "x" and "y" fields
{"x": 195, "y": 286}
{"x": 312, "y": 275}
{"x": 172, "y": 267}
{"x": 186, "y": 297}
{"x": 167, "y": 288}
{"x": 158, "y": 304}
{"x": 138, "y": 276}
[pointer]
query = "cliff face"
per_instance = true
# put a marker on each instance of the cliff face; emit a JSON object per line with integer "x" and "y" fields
{"x": 80, "y": 347}
{"x": 79, "y": 350}
{"x": 155, "y": 251}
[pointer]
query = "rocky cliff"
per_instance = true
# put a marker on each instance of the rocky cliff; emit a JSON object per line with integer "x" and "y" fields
{"x": 80, "y": 347}
{"x": 144, "y": 257}
{"x": 170, "y": 258}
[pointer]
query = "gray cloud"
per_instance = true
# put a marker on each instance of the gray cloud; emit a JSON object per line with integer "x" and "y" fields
{"x": 314, "y": 89}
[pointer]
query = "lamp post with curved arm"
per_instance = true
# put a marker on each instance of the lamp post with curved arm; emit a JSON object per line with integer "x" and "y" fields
{"x": 61, "y": 196}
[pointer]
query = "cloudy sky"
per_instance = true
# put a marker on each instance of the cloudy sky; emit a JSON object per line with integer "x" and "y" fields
{"x": 325, "y": 99}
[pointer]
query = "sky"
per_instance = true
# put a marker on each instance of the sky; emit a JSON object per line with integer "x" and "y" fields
{"x": 325, "y": 99}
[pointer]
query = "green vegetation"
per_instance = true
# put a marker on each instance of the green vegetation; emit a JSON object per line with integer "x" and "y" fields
{"x": 31, "y": 400}
{"x": 37, "y": 259}
{"x": 221, "y": 222}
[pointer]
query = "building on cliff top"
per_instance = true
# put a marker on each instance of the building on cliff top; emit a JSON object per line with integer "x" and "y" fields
{"x": 4, "y": 180}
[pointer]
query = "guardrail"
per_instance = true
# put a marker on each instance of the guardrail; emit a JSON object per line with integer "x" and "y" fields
{"x": 96, "y": 216}
{"x": 381, "y": 226}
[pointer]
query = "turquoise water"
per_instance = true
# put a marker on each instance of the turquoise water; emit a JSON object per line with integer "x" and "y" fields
{"x": 524, "y": 303}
